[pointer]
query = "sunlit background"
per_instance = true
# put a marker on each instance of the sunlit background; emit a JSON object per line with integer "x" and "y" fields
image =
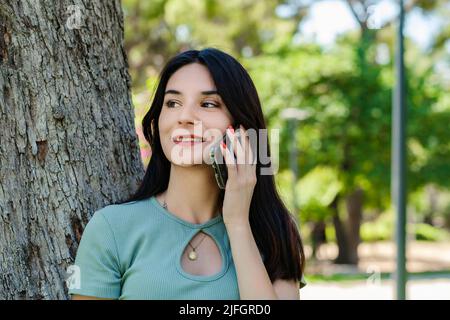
{"x": 333, "y": 62}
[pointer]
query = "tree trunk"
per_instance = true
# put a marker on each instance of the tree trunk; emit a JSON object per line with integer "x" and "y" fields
{"x": 432, "y": 195}
{"x": 318, "y": 236}
{"x": 67, "y": 137}
{"x": 347, "y": 235}
{"x": 341, "y": 238}
{"x": 354, "y": 208}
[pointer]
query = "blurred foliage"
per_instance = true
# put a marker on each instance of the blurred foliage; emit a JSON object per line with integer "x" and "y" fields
{"x": 315, "y": 192}
{"x": 350, "y": 124}
{"x": 379, "y": 229}
{"x": 156, "y": 30}
{"x": 426, "y": 232}
{"x": 349, "y": 277}
{"x": 346, "y": 88}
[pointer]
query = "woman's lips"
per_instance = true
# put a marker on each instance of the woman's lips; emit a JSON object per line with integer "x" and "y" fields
{"x": 192, "y": 140}
{"x": 188, "y": 143}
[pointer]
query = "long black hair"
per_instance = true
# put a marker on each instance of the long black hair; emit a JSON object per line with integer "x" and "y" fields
{"x": 273, "y": 226}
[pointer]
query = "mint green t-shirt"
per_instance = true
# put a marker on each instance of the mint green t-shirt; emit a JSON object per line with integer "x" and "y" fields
{"x": 134, "y": 250}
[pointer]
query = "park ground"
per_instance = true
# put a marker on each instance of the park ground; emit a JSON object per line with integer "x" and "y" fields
{"x": 428, "y": 265}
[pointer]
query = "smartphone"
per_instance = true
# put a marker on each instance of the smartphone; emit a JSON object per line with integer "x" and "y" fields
{"x": 218, "y": 161}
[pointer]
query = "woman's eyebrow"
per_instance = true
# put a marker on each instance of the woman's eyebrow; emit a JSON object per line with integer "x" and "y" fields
{"x": 205, "y": 93}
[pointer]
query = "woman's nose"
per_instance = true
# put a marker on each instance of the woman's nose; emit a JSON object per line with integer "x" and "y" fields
{"x": 187, "y": 115}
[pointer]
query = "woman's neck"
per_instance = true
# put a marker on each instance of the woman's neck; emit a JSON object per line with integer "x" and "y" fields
{"x": 192, "y": 193}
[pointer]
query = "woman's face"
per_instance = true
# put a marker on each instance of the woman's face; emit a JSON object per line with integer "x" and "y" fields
{"x": 193, "y": 116}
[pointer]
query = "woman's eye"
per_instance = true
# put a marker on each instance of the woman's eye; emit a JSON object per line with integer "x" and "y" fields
{"x": 210, "y": 105}
{"x": 170, "y": 103}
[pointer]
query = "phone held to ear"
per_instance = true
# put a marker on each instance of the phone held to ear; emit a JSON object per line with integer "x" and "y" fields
{"x": 218, "y": 161}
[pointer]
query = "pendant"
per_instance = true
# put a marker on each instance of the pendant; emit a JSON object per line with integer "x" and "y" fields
{"x": 192, "y": 255}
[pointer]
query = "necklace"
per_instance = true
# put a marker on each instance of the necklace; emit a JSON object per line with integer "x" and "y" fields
{"x": 193, "y": 254}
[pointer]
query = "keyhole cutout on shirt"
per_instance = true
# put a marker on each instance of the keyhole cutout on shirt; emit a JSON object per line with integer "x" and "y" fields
{"x": 209, "y": 258}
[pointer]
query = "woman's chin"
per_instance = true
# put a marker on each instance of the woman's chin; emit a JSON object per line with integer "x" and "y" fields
{"x": 188, "y": 162}
{"x": 186, "y": 157}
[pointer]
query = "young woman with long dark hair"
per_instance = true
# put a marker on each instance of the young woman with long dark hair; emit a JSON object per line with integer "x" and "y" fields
{"x": 180, "y": 236}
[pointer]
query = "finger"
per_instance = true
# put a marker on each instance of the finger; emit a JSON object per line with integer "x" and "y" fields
{"x": 229, "y": 159}
{"x": 251, "y": 158}
{"x": 244, "y": 143}
{"x": 236, "y": 147}
{"x": 247, "y": 146}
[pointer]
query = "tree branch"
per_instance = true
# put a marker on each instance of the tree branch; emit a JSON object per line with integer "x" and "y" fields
{"x": 361, "y": 23}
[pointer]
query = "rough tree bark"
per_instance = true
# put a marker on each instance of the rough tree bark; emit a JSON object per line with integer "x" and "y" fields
{"x": 67, "y": 137}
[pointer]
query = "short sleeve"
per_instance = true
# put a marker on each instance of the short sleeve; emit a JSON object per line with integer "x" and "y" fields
{"x": 97, "y": 261}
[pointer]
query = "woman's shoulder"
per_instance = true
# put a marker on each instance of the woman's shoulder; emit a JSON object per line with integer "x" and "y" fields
{"x": 120, "y": 218}
{"x": 113, "y": 209}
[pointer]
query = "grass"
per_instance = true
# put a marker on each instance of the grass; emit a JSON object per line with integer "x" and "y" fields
{"x": 342, "y": 277}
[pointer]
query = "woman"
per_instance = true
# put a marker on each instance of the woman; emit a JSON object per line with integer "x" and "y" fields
{"x": 180, "y": 236}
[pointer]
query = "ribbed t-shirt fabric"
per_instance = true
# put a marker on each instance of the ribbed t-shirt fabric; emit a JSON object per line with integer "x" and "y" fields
{"x": 133, "y": 251}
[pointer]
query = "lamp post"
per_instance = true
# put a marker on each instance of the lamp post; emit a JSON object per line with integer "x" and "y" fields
{"x": 398, "y": 164}
{"x": 293, "y": 116}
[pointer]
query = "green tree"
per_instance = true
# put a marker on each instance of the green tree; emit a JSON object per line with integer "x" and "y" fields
{"x": 156, "y": 30}
{"x": 348, "y": 92}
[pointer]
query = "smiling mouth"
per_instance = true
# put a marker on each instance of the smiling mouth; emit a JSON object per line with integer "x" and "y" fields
{"x": 188, "y": 140}
{"x": 188, "y": 143}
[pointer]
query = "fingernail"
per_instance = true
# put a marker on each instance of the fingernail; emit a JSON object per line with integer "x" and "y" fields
{"x": 231, "y": 128}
